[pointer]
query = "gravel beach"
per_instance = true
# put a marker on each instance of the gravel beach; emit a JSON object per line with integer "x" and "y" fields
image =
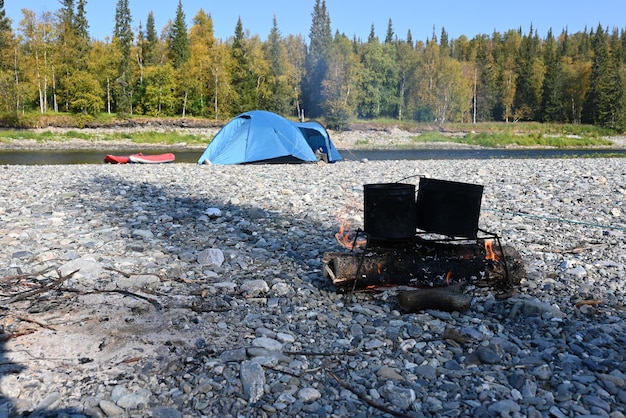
{"x": 185, "y": 291}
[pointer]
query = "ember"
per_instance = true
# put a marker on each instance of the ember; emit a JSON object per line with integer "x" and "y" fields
{"x": 490, "y": 254}
{"x": 350, "y": 239}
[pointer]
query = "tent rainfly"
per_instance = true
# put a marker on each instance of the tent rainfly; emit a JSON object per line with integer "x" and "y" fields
{"x": 260, "y": 136}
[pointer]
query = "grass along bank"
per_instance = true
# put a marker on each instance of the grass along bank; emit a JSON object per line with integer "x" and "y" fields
{"x": 139, "y": 137}
{"x": 505, "y": 140}
{"x": 199, "y": 132}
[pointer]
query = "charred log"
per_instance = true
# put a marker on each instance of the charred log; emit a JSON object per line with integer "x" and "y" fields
{"x": 447, "y": 299}
{"x": 423, "y": 266}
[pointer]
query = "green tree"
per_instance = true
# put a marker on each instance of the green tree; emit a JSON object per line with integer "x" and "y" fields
{"x": 407, "y": 64}
{"x": 151, "y": 43}
{"x": 250, "y": 72}
{"x": 379, "y": 82}
{"x": 618, "y": 81}
{"x": 487, "y": 92}
{"x": 295, "y": 50}
{"x": 104, "y": 59}
{"x": 122, "y": 41}
{"x": 179, "y": 51}
{"x": 552, "y": 105}
{"x": 6, "y": 33}
{"x": 444, "y": 43}
{"x": 452, "y": 92}
{"x": 529, "y": 78}
{"x": 71, "y": 58}
{"x": 38, "y": 42}
{"x": 576, "y": 81}
{"x": 81, "y": 28}
{"x": 201, "y": 43}
{"x": 179, "y": 40}
{"x": 316, "y": 63}
{"x": 506, "y": 54}
{"x": 10, "y": 95}
{"x": 159, "y": 98}
{"x": 221, "y": 67}
{"x": 389, "y": 37}
{"x": 340, "y": 83}
{"x": 390, "y": 69}
{"x": 599, "y": 101}
{"x": 371, "y": 85}
{"x": 282, "y": 95}
{"x": 86, "y": 94}
{"x": 425, "y": 80}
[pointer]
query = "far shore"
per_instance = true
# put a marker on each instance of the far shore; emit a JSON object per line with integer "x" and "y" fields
{"x": 392, "y": 139}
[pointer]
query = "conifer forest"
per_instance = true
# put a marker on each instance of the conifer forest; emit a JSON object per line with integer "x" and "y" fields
{"x": 49, "y": 63}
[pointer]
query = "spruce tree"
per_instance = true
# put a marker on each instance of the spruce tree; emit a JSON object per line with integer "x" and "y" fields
{"x": 179, "y": 41}
{"x": 444, "y": 42}
{"x": 123, "y": 39}
{"x": 6, "y": 36}
{"x": 487, "y": 93}
{"x": 598, "y": 102}
{"x": 81, "y": 30}
{"x": 280, "y": 100}
{"x": 372, "y": 38}
{"x": 389, "y": 37}
{"x": 81, "y": 24}
{"x": 616, "y": 118}
{"x": 151, "y": 41}
{"x": 528, "y": 84}
{"x": 552, "y": 107}
{"x": 243, "y": 80}
{"x": 122, "y": 33}
{"x": 316, "y": 61}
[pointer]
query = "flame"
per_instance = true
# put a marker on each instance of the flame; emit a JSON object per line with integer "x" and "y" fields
{"x": 448, "y": 276}
{"x": 380, "y": 268}
{"x": 347, "y": 239}
{"x": 489, "y": 252}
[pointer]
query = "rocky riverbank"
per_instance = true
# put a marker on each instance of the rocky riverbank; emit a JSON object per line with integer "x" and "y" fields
{"x": 374, "y": 138}
{"x": 186, "y": 290}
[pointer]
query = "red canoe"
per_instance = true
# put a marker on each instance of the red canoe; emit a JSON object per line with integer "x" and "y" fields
{"x": 140, "y": 158}
{"x": 116, "y": 159}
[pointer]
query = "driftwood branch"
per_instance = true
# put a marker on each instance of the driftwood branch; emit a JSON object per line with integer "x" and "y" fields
{"x": 32, "y": 321}
{"x": 28, "y": 275}
{"x": 42, "y": 289}
{"x": 7, "y": 337}
{"x": 153, "y": 302}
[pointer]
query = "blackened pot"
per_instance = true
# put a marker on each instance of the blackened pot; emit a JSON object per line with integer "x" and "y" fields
{"x": 448, "y": 207}
{"x": 389, "y": 210}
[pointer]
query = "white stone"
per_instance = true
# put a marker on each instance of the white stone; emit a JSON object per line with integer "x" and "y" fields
{"x": 308, "y": 395}
{"x": 211, "y": 257}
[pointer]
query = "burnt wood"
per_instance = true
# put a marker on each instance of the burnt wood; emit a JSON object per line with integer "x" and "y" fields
{"x": 447, "y": 299}
{"x": 422, "y": 266}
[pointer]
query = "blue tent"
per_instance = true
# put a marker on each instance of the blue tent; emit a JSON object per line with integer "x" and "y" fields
{"x": 261, "y": 136}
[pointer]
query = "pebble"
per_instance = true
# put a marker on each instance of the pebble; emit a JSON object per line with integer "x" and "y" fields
{"x": 198, "y": 291}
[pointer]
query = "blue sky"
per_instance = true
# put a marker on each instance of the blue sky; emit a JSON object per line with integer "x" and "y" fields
{"x": 355, "y": 17}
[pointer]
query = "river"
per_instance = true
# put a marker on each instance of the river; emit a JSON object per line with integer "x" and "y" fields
{"x": 53, "y": 157}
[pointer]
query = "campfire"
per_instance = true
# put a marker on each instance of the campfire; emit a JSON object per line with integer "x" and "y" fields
{"x": 430, "y": 242}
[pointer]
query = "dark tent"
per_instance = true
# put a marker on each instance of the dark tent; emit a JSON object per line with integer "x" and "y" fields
{"x": 261, "y": 136}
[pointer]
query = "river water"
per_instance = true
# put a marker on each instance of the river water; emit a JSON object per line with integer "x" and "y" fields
{"x": 52, "y": 157}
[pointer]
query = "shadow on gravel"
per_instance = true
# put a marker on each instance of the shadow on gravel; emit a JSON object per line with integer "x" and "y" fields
{"x": 7, "y": 368}
{"x": 167, "y": 218}
{"x": 167, "y": 222}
